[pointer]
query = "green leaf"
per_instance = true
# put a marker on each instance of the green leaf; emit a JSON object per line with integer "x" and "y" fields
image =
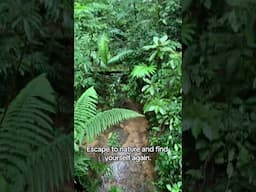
{"x": 28, "y": 141}
{"x": 164, "y": 38}
{"x": 169, "y": 187}
{"x": 120, "y": 56}
{"x": 103, "y": 48}
{"x": 106, "y": 119}
{"x": 230, "y": 170}
{"x": 27, "y": 30}
{"x": 142, "y": 70}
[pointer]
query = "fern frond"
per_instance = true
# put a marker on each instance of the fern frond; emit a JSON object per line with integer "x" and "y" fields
{"x": 90, "y": 124}
{"x": 27, "y": 157}
{"x": 48, "y": 164}
{"x": 31, "y": 107}
{"x": 142, "y": 70}
{"x": 120, "y": 56}
{"x": 85, "y": 109}
{"x": 103, "y": 48}
{"x": 106, "y": 119}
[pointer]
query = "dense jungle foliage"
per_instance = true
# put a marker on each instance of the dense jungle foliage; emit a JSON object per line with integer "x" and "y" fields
{"x": 219, "y": 96}
{"x": 130, "y": 51}
{"x": 36, "y": 98}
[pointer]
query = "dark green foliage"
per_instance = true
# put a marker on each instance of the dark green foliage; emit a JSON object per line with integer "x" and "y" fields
{"x": 35, "y": 38}
{"x": 219, "y": 95}
{"x": 31, "y": 155}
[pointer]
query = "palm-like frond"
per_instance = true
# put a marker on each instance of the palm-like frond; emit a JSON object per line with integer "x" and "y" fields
{"x": 106, "y": 119}
{"x": 28, "y": 148}
{"x": 142, "y": 70}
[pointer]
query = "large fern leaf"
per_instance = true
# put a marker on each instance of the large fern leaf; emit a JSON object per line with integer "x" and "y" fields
{"x": 90, "y": 124}
{"x": 27, "y": 144}
{"x": 52, "y": 165}
{"x": 106, "y": 119}
{"x": 85, "y": 109}
{"x": 120, "y": 56}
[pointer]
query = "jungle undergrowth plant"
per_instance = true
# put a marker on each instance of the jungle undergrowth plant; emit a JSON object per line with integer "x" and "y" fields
{"x": 89, "y": 123}
{"x": 162, "y": 96}
{"x": 31, "y": 149}
{"x": 115, "y": 189}
{"x": 114, "y": 140}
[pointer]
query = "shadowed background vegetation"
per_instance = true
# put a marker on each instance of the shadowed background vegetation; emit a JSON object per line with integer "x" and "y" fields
{"x": 219, "y": 96}
{"x": 36, "y": 111}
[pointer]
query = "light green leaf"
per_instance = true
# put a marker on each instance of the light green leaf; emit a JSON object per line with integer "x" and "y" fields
{"x": 230, "y": 169}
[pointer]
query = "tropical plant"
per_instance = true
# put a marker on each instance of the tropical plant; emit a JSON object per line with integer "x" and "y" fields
{"x": 142, "y": 70}
{"x": 105, "y": 55}
{"x": 31, "y": 153}
{"x": 36, "y": 37}
{"x": 89, "y": 123}
{"x": 161, "y": 47}
{"x": 161, "y": 90}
